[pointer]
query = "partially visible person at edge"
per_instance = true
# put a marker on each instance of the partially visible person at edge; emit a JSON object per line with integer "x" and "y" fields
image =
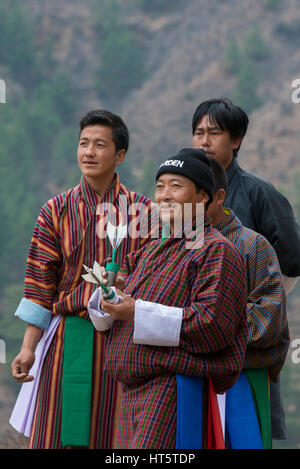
{"x": 219, "y": 128}
{"x": 268, "y": 327}
{"x": 183, "y": 315}
{"x": 72, "y": 401}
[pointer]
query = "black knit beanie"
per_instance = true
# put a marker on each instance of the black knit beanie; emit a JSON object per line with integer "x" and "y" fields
{"x": 193, "y": 164}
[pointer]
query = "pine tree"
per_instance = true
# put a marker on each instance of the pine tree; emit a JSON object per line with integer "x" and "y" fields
{"x": 245, "y": 93}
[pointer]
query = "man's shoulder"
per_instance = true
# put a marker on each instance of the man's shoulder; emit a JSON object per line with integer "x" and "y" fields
{"x": 58, "y": 202}
{"x": 258, "y": 186}
{"x": 254, "y": 240}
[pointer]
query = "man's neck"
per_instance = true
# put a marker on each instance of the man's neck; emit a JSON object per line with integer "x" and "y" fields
{"x": 102, "y": 185}
{"x": 228, "y": 163}
{"x": 220, "y": 216}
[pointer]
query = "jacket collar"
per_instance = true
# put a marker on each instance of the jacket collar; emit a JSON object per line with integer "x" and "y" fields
{"x": 232, "y": 169}
{"x": 230, "y": 223}
{"x": 89, "y": 196}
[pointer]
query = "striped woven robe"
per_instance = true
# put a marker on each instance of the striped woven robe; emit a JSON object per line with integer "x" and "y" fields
{"x": 209, "y": 283}
{"x": 266, "y": 302}
{"x": 65, "y": 237}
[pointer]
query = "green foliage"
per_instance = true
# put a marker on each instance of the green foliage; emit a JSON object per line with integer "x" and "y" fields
{"x": 17, "y": 50}
{"x": 18, "y": 206}
{"x": 245, "y": 94}
{"x": 64, "y": 170}
{"x": 12, "y": 329}
{"x": 147, "y": 181}
{"x": 125, "y": 171}
{"x": 255, "y": 46}
{"x": 189, "y": 95}
{"x": 271, "y": 4}
{"x": 29, "y": 146}
{"x": 122, "y": 66}
{"x": 156, "y": 5}
{"x": 288, "y": 31}
{"x": 122, "y": 58}
{"x": 232, "y": 56}
{"x": 242, "y": 62}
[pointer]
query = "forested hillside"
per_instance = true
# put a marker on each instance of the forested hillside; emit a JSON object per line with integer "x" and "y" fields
{"x": 152, "y": 62}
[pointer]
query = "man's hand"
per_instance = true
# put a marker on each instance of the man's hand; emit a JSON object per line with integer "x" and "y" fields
{"x": 123, "y": 311}
{"x": 21, "y": 366}
{"x": 25, "y": 359}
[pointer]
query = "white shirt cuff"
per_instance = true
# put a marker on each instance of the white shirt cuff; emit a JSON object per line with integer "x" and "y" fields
{"x": 102, "y": 321}
{"x": 156, "y": 324}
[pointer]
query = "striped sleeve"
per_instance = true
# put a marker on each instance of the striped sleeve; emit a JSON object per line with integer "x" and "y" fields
{"x": 266, "y": 304}
{"x": 43, "y": 260}
{"x": 129, "y": 264}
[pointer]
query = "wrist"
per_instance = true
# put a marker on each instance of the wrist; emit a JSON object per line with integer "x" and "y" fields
{"x": 31, "y": 338}
{"x": 28, "y": 348}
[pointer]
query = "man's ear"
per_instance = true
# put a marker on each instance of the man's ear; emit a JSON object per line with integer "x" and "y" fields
{"x": 120, "y": 156}
{"x": 204, "y": 196}
{"x": 236, "y": 142}
{"x": 220, "y": 196}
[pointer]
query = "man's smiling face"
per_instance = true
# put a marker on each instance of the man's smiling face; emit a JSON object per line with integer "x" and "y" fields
{"x": 172, "y": 192}
{"x": 96, "y": 153}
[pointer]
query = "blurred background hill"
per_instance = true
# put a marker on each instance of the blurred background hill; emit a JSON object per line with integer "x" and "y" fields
{"x": 152, "y": 62}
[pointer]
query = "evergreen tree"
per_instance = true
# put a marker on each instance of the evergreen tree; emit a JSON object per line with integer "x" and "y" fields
{"x": 232, "y": 57}
{"x": 122, "y": 58}
{"x": 255, "y": 46}
{"x": 17, "y": 51}
{"x": 147, "y": 184}
{"x": 245, "y": 93}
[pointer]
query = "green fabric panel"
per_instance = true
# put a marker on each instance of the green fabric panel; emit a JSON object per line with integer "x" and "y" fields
{"x": 259, "y": 381}
{"x": 77, "y": 381}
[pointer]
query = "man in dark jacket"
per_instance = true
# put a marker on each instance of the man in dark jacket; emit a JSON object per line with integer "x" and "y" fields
{"x": 219, "y": 128}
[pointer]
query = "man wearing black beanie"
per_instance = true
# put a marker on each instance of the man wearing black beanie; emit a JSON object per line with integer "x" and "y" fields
{"x": 182, "y": 316}
{"x": 193, "y": 164}
{"x": 190, "y": 180}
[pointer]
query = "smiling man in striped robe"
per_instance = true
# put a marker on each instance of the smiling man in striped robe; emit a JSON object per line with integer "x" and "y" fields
{"x": 183, "y": 313}
{"x": 72, "y": 401}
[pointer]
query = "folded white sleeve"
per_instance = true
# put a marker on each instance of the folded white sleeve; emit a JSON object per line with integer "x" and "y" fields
{"x": 102, "y": 321}
{"x": 156, "y": 324}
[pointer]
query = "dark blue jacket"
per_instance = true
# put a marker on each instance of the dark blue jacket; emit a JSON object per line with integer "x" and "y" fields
{"x": 262, "y": 208}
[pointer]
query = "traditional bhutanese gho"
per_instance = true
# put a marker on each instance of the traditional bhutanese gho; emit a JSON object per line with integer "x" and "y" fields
{"x": 190, "y": 320}
{"x": 268, "y": 336}
{"x": 72, "y": 401}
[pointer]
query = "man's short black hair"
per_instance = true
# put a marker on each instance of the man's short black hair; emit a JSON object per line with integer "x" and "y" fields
{"x": 120, "y": 134}
{"x": 225, "y": 115}
{"x": 221, "y": 181}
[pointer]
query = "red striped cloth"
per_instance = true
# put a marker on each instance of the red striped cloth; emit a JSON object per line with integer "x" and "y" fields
{"x": 65, "y": 237}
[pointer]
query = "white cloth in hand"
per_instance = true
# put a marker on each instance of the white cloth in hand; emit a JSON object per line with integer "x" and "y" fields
{"x": 102, "y": 321}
